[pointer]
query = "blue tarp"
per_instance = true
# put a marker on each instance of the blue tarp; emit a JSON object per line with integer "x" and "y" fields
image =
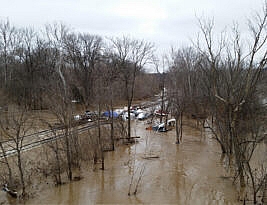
{"x": 110, "y": 114}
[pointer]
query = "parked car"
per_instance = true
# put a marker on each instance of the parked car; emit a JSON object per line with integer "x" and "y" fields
{"x": 159, "y": 112}
{"x": 125, "y": 116}
{"x": 159, "y": 127}
{"x": 171, "y": 122}
{"x": 119, "y": 111}
{"x": 77, "y": 117}
{"x": 109, "y": 114}
{"x": 90, "y": 115}
{"x": 143, "y": 115}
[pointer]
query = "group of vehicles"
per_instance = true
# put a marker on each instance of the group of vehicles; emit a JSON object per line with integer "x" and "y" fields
{"x": 135, "y": 113}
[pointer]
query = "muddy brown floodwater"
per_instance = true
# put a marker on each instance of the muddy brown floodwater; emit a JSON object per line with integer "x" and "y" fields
{"x": 189, "y": 173}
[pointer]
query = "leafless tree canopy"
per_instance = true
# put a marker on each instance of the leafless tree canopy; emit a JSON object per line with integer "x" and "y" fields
{"x": 221, "y": 81}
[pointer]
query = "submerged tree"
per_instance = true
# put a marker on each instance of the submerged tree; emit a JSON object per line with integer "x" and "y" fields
{"x": 232, "y": 85}
{"x": 183, "y": 87}
{"x": 131, "y": 56}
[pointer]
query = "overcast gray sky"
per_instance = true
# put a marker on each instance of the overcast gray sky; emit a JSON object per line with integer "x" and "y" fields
{"x": 164, "y": 22}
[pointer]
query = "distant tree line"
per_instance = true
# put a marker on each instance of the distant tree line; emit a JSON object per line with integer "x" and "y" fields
{"x": 31, "y": 61}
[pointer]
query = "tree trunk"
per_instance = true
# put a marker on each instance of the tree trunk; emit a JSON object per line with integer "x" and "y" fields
{"x": 112, "y": 128}
{"x": 181, "y": 126}
{"x": 6, "y": 69}
{"x": 253, "y": 183}
{"x": 102, "y": 160}
{"x": 58, "y": 164}
{"x": 21, "y": 173}
{"x": 99, "y": 139}
{"x": 264, "y": 196}
{"x": 222, "y": 147}
{"x": 177, "y": 129}
{"x": 68, "y": 154}
{"x": 162, "y": 104}
{"x": 129, "y": 121}
{"x": 241, "y": 177}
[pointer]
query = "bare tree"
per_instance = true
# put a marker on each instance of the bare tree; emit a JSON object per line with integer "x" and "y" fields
{"x": 83, "y": 54}
{"x": 7, "y": 36}
{"x": 233, "y": 78}
{"x": 54, "y": 145}
{"x": 5, "y": 162}
{"x": 15, "y": 125}
{"x": 110, "y": 83}
{"x": 99, "y": 93}
{"x": 183, "y": 86}
{"x": 60, "y": 98}
{"x": 162, "y": 85}
{"x": 132, "y": 55}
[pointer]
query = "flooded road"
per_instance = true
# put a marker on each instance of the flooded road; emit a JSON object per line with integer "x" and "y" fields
{"x": 189, "y": 173}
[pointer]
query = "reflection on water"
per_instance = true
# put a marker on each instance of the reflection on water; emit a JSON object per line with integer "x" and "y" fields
{"x": 189, "y": 173}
